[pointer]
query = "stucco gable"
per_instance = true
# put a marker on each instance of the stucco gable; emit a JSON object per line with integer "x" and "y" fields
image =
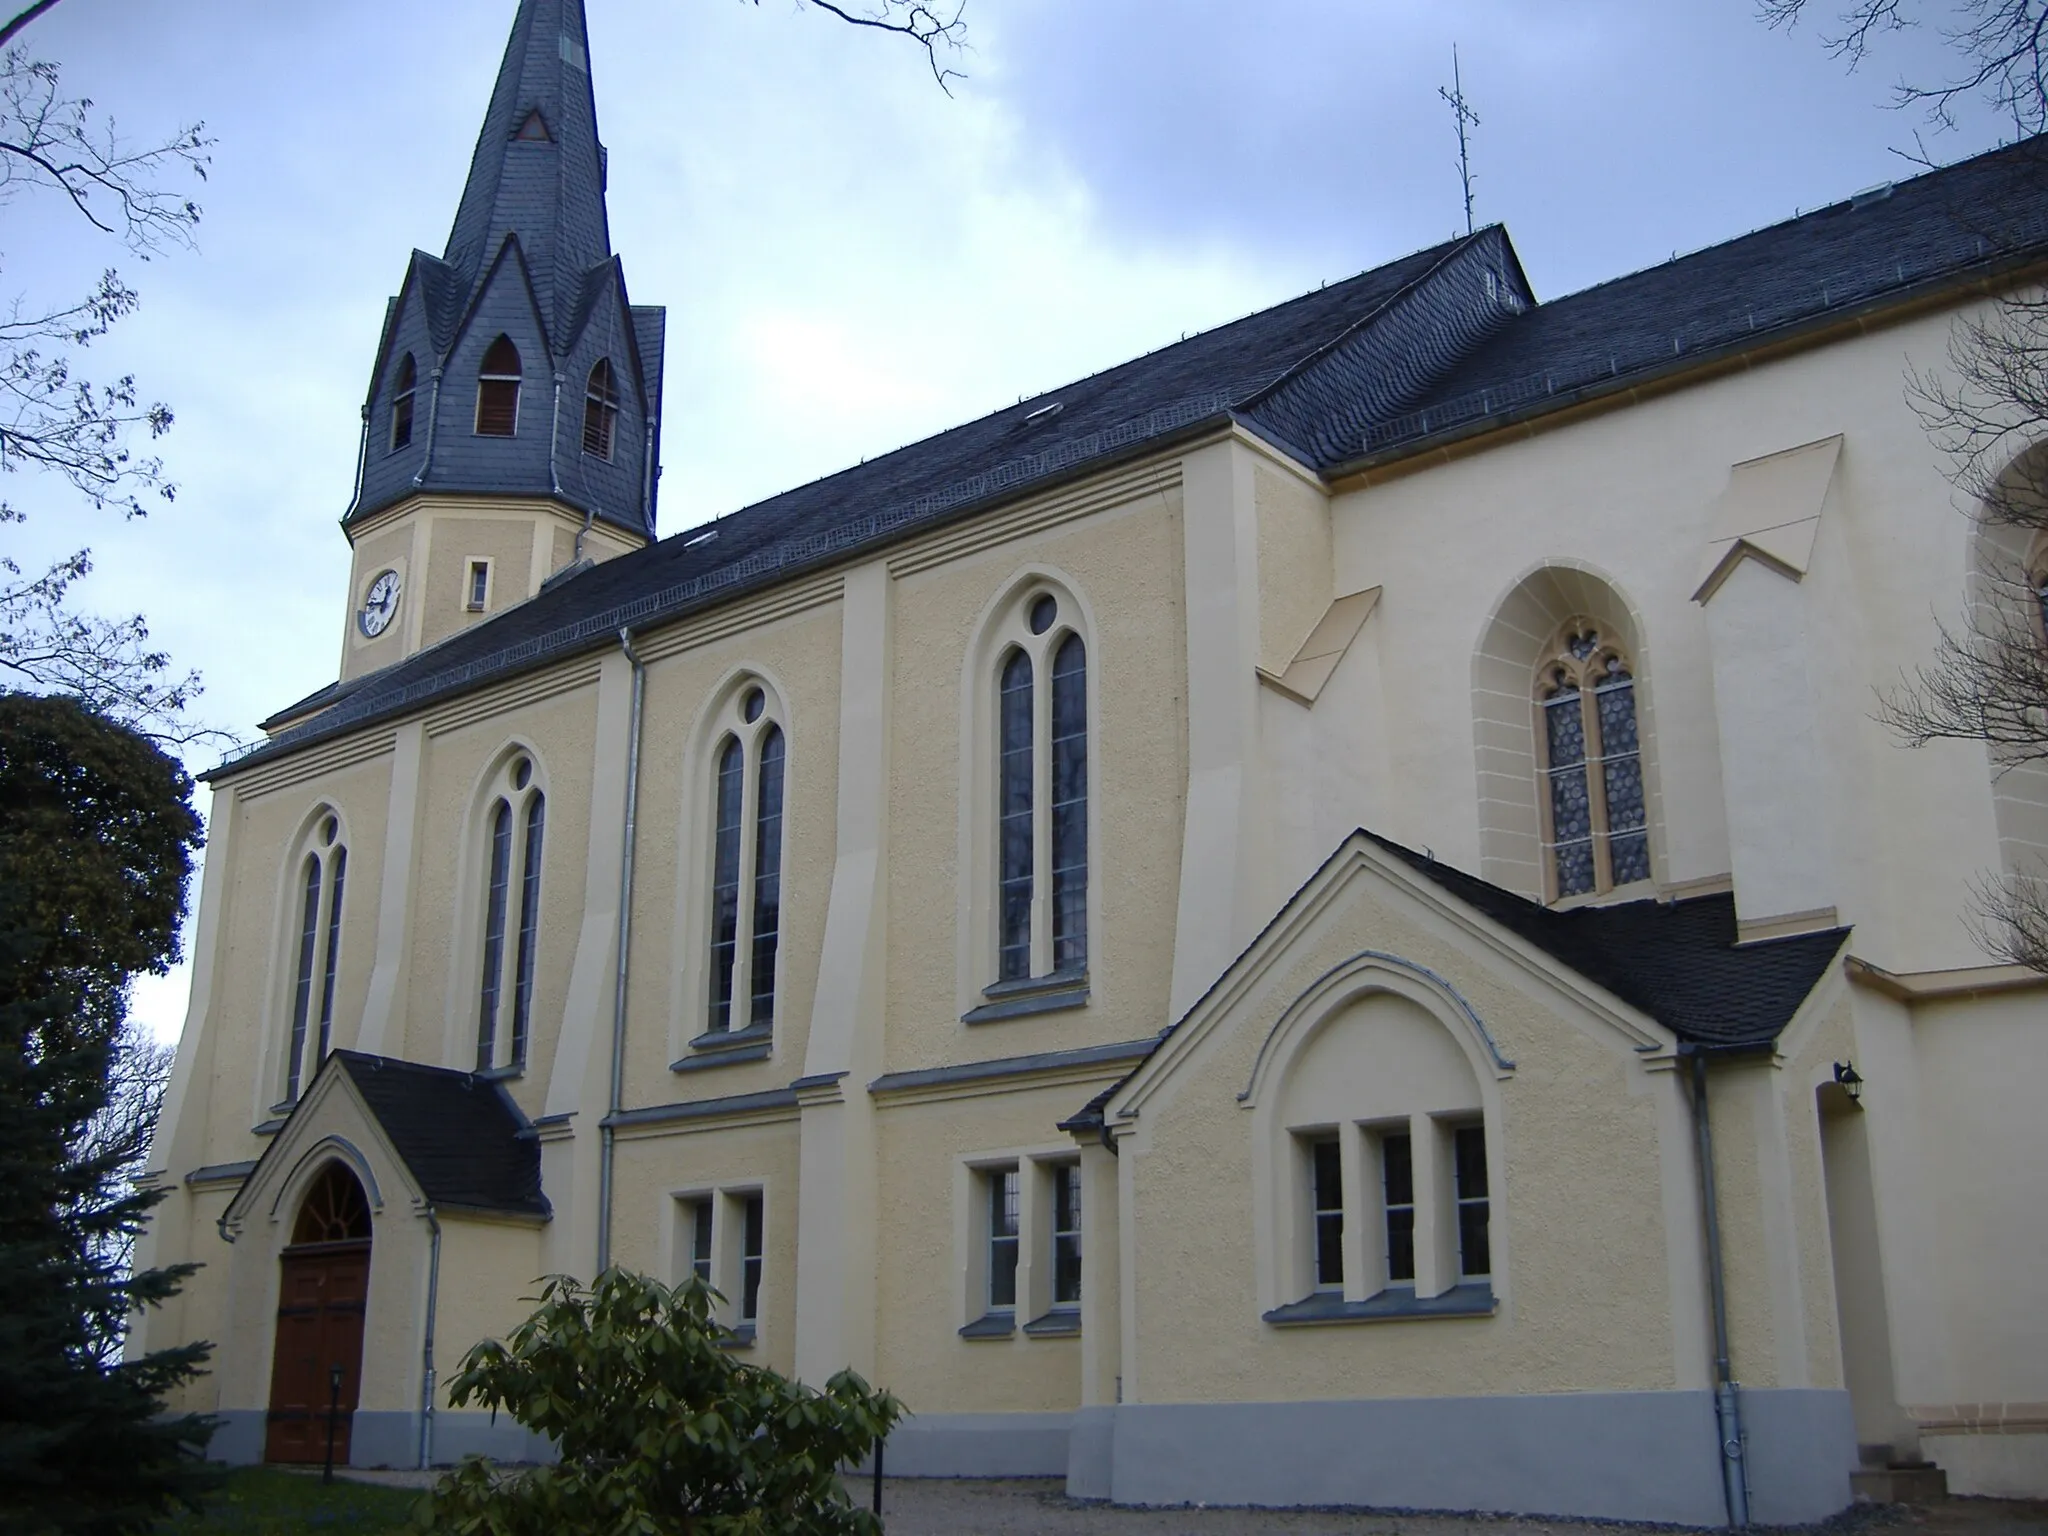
{"x": 331, "y": 1121}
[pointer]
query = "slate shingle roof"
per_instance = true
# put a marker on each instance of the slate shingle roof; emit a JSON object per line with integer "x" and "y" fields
{"x": 1675, "y": 961}
{"x": 460, "y": 1136}
{"x": 1394, "y": 361}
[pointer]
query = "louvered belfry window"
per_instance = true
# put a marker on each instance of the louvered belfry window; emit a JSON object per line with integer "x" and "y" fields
{"x": 497, "y": 390}
{"x": 1595, "y": 811}
{"x": 404, "y": 386}
{"x": 600, "y": 410}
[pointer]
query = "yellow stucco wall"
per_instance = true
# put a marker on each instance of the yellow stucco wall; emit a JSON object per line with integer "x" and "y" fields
{"x": 1580, "y": 1261}
{"x": 923, "y": 1152}
{"x": 1126, "y": 565}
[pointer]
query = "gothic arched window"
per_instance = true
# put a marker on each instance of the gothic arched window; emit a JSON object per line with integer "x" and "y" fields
{"x": 600, "y": 410}
{"x": 404, "y": 384}
{"x": 746, "y": 865}
{"x": 515, "y": 825}
{"x": 497, "y": 390}
{"x": 1596, "y": 822}
{"x": 1041, "y": 788}
{"x": 322, "y": 873}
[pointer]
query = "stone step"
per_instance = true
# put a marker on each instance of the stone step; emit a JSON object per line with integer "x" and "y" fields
{"x": 1920, "y": 1482}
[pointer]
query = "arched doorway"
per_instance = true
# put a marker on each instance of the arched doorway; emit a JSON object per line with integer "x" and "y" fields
{"x": 320, "y": 1301}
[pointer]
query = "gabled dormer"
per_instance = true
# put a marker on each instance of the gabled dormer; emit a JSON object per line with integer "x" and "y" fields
{"x": 512, "y": 423}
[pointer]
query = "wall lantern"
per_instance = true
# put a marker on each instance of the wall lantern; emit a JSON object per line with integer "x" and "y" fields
{"x": 1850, "y": 1079}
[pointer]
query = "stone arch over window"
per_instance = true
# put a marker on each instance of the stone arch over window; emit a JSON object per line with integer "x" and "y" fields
{"x": 1376, "y": 1119}
{"x": 497, "y": 390}
{"x": 2007, "y": 606}
{"x": 1528, "y": 659}
{"x": 732, "y": 975}
{"x": 505, "y": 877}
{"x": 315, "y": 889}
{"x": 1027, "y": 804}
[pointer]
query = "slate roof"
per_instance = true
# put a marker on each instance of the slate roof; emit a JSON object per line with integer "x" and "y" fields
{"x": 1676, "y": 961}
{"x": 1394, "y": 361}
{"x": 460, "y": 1136}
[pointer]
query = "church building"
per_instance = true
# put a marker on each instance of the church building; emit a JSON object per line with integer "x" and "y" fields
{"x": 1322, "y": 917}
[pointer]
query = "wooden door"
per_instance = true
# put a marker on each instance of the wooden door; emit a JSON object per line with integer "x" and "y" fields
{"x": 319, "y": 1326}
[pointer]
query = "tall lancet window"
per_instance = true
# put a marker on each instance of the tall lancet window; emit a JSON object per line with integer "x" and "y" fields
{"x": 497, "y": 390}
{"x": 316, "y": 932}
{"x": 600, "y": 410}
{"x": 1041, "y": 793}
{"x": 515, "y": 829}
{"x": 746, "y": 866}
{"x": 404, "y": 388}
{"x": 1596, "y": 821}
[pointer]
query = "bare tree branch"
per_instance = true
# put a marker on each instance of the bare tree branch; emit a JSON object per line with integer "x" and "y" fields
{"x": 2003, "y": 45}
{"x": 926, "y": 25}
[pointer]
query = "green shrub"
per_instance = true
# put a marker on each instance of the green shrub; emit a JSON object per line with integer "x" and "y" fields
{"x": 659, "y": 1428}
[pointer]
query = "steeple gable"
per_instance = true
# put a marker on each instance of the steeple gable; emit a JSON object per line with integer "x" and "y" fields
{"x": 528, "y": 263}
{"x": 538, "y": 170}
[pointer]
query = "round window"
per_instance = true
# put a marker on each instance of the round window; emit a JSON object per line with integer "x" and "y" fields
{"x": 522, "y": 774}
{"x": 1043, "y": 611}
{"x": 752, "y": 705}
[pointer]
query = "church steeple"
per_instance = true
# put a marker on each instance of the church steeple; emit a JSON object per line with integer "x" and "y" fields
{"x": 515, "y": 384}
{"x": 538, "y": 171}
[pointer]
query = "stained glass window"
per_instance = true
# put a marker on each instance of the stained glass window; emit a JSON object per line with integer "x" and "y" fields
{"x": 1397, "y": 1191}
{"x": 753, "y": 1216}
{"x": 725, "y": 881}
{"x": 1066, "y": 1234}
{"x": 529, "y": 928}
{"x": 302, "y": 994}
{"x": 1475, "y": 1250}
{"x": 494, "y": 935}
{"x": 1326, "y": 1193}
{"x": 338, "y": 874}
{"x": 1002, "y": 1239}
{"x": 1014, "y": 820}
{"x": 1070, "y": 806}
{"x": 1598, "y": 818}
{"x": 767, "y": 880}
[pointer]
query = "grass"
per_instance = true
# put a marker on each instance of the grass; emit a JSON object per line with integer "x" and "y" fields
{"x": 262, "y": 1501}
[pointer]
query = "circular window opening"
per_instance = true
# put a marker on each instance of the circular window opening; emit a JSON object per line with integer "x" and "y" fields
{"x": 1043, "y": 611}
{"x": 329, "y": 829}
{"x": 752, "y": 705}
{"x": 522, "y": 774}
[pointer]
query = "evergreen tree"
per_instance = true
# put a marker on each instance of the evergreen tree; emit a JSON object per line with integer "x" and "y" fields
{"x": 96, "y": 838}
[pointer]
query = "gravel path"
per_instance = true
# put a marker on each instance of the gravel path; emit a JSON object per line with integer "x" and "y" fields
{"x": 1039, "y": 1507}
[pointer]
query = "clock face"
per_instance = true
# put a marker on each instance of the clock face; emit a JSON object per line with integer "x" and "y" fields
{"x": 380, "y": 604}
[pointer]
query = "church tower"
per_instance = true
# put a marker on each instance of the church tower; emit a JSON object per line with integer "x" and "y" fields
{"x": 511, "y": 427}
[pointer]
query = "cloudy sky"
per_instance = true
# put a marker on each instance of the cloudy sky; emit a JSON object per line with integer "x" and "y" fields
{"x": 852, "y": 259}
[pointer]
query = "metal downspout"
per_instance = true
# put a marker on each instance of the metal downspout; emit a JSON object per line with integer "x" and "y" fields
{"x": 427, "y": 1348}
{"x": 647, "y": 479}
{"x": 433, "y": 425}
{"x": 362, "y": 465}
{"x": 608, "y": 1146}
{"x": 1727, "y": 1395}
{"x": 555, "y": 438}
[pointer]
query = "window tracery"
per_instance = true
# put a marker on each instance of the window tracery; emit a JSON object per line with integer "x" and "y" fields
{"x": 746, "y": 865}
{"x": 515, "y": 830}
{"x": 1041, "y": 792}
{"x": 1596, "y": 824}
{"x": 323, "y": 874}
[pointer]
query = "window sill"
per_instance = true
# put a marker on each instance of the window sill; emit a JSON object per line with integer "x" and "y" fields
{"x": 724, "y": 1048}
{"x": 1034, "y": 994}
{"x": 268, "y": 1127}
{"x": 992, "y": 1325}
{"x": 498, "y": 1074}
{"x": 741, "y": 1337}
{"x": 1060, "y": 1323}
{"x": 1472, "y": 1299}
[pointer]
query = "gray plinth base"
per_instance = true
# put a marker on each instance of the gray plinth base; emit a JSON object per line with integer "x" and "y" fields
{"x": 391, "y": 1439}
{"x": 1647, "y": 1456}
{"x": 978, "y": 1445}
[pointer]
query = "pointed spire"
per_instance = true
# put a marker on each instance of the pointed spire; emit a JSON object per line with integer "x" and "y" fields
{"x": 538, "y": 171}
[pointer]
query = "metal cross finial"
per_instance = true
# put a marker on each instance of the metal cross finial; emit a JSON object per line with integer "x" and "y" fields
{"x": 1466, "y": 117}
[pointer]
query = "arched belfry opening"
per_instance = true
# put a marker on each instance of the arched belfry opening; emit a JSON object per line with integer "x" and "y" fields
{"x": 322, "y": 1291}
